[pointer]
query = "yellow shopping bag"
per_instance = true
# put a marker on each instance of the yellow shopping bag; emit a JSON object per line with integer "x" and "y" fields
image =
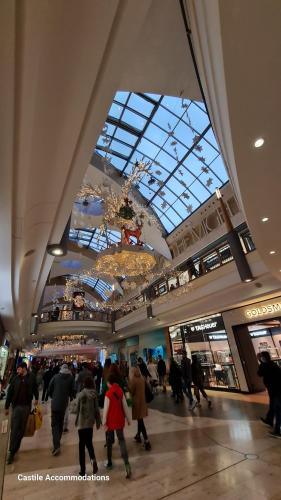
{"x": 38, "y": 417}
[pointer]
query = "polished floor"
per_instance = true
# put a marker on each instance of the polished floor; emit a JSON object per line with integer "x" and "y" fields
{"x": 219, "y": 453}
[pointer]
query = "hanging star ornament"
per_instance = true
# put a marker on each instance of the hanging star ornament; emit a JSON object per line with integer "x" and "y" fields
{"x": 189, "y": 208}
{"x": 205, "y": 170}
{"x": 186, "y": 196}
{"x": 209, "y": 182}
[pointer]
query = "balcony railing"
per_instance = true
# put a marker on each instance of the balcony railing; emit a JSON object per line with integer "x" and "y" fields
{"x": 52, "y": 316}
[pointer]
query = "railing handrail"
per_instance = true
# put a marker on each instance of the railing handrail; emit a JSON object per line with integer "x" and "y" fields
{"x": 69, "y": 315}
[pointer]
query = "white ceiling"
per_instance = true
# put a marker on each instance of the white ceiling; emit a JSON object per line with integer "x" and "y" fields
{"x": 238, "y": 49}
{"x": 61, "y": 64}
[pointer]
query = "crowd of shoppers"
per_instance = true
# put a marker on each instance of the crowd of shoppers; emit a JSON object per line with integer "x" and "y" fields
{"x": 90, "y": 388}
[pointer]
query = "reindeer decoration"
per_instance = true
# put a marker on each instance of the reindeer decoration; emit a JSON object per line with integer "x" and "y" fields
{"x": 128, "y": 233}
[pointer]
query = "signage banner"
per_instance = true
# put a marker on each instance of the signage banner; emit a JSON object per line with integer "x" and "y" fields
{"x": 255, "y": 312}
{"x": 198, "y": 328}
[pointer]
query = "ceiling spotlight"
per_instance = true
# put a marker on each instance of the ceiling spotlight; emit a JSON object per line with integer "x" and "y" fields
{"x": 248, "y": 280}
{"x": 259, "y": 142}
{"x": 265, "y": 219}
{"x": 56, "y": 250}
{"x": 272, "y": 252}
{"x": 35, "y": 315}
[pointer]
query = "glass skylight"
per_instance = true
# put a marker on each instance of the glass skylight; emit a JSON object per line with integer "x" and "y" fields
{"x": 94, "y": 239}
{"x": 100, "y": 286}
{"x": 176, "y": 136}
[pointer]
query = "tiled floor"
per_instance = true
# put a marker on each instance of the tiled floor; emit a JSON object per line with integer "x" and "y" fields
{"x": 219, "y": 453}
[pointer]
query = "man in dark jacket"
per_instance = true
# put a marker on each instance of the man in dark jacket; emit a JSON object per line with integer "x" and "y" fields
{"x": 47, "y": 377}
{"x": 61, "y": 388}
{"x": 271, "y": 374}
{"x": 187, "y": 379}
{"x": 20, "y": 394}
{"x": 85, "y": 373}
{"x": 162, "y": 371}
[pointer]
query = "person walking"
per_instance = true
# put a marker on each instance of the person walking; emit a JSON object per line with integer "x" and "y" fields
{"x": 139, "y": 406}
{"x": 175, "y": 381}
{"x": 83, "y": 374}
{"x": 114, "y": 414}
{"x": 98, "y": 376}
{"x": 143, "y": 368}
{"x": 61, "y": 388}
{"x": 152, "y": 368}
{"x": 21, "y": 391}
{"x": 162, "y": 372}
{"x": 198, "y": 380}
{"x": 47, "y": 376}
{"x": 271, "y": 374}
{"x": 88, "y": 414}
{"x": 187, "y": 379}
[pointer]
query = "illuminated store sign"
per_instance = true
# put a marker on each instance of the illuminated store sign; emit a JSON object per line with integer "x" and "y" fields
{"x": 207, "y": 326}
{"x": 263, "y": 310}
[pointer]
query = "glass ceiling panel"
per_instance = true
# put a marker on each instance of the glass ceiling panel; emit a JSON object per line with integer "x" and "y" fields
{"x": 176, "y": 137}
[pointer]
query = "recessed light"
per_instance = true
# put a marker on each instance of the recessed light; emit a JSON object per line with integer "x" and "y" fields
{"x": 248, "y": 280}
{"x": 265, "y": 219}
{"x": 272, "y": 252}
{"x": 259, "y": 142}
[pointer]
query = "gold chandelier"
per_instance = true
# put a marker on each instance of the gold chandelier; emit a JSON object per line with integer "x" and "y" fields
{"x": 125, "y": 260}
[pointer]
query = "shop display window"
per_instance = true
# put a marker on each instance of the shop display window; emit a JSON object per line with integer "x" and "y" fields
{"x": 266, "y": 336}
{"x": 208, "y": 340}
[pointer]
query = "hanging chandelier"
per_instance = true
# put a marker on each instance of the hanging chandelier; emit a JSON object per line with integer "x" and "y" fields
{"x": 125, "y": 260}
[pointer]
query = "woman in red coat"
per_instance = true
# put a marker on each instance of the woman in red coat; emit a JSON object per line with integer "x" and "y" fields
{"x": 114, "y": 413}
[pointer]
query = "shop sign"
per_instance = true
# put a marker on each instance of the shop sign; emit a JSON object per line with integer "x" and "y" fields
{"x": 209, "y": 325}
{"x": 263, "y": 310}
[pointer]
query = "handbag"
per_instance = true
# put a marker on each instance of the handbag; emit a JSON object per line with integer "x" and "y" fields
{"x": 30, "y": 425}
{"x": 38, "y": 417}
{"x": 148, "y": 393}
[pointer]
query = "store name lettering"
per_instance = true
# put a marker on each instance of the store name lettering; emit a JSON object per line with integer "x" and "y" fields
{"x": 263, "y": 310}
{"x": 204, "y": 326}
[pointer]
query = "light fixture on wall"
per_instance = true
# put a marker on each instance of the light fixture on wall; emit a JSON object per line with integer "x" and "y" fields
{"x": 60, "y": 249}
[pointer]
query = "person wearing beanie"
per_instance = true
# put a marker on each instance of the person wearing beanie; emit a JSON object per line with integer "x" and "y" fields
{"x": 20, "y": 394}
{"x": 61, "y": 388}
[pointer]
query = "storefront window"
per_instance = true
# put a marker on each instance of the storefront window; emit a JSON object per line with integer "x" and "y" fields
{"x": 208, "y": 340}
{"x": 266, "y": 336}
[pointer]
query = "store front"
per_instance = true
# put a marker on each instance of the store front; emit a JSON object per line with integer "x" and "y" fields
{"x": 256, "y": 328}
{"x": 207, "y": 338}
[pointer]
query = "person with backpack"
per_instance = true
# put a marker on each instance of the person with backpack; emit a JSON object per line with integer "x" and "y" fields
{"x": 114, "y": 414}
{"x": 87, "y": 416}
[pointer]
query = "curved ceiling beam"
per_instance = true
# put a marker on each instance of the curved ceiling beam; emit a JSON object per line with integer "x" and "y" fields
{"x": 242, "y": 80}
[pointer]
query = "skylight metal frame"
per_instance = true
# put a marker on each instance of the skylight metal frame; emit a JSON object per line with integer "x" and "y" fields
{"x": 155, "y": 197}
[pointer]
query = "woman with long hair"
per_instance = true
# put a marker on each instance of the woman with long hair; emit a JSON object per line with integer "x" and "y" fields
{"x": 139, "y": 406}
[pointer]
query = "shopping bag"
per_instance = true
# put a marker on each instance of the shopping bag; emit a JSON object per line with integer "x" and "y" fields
{"x": 30, "y": 426}
{"x": 38, "y": 417}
